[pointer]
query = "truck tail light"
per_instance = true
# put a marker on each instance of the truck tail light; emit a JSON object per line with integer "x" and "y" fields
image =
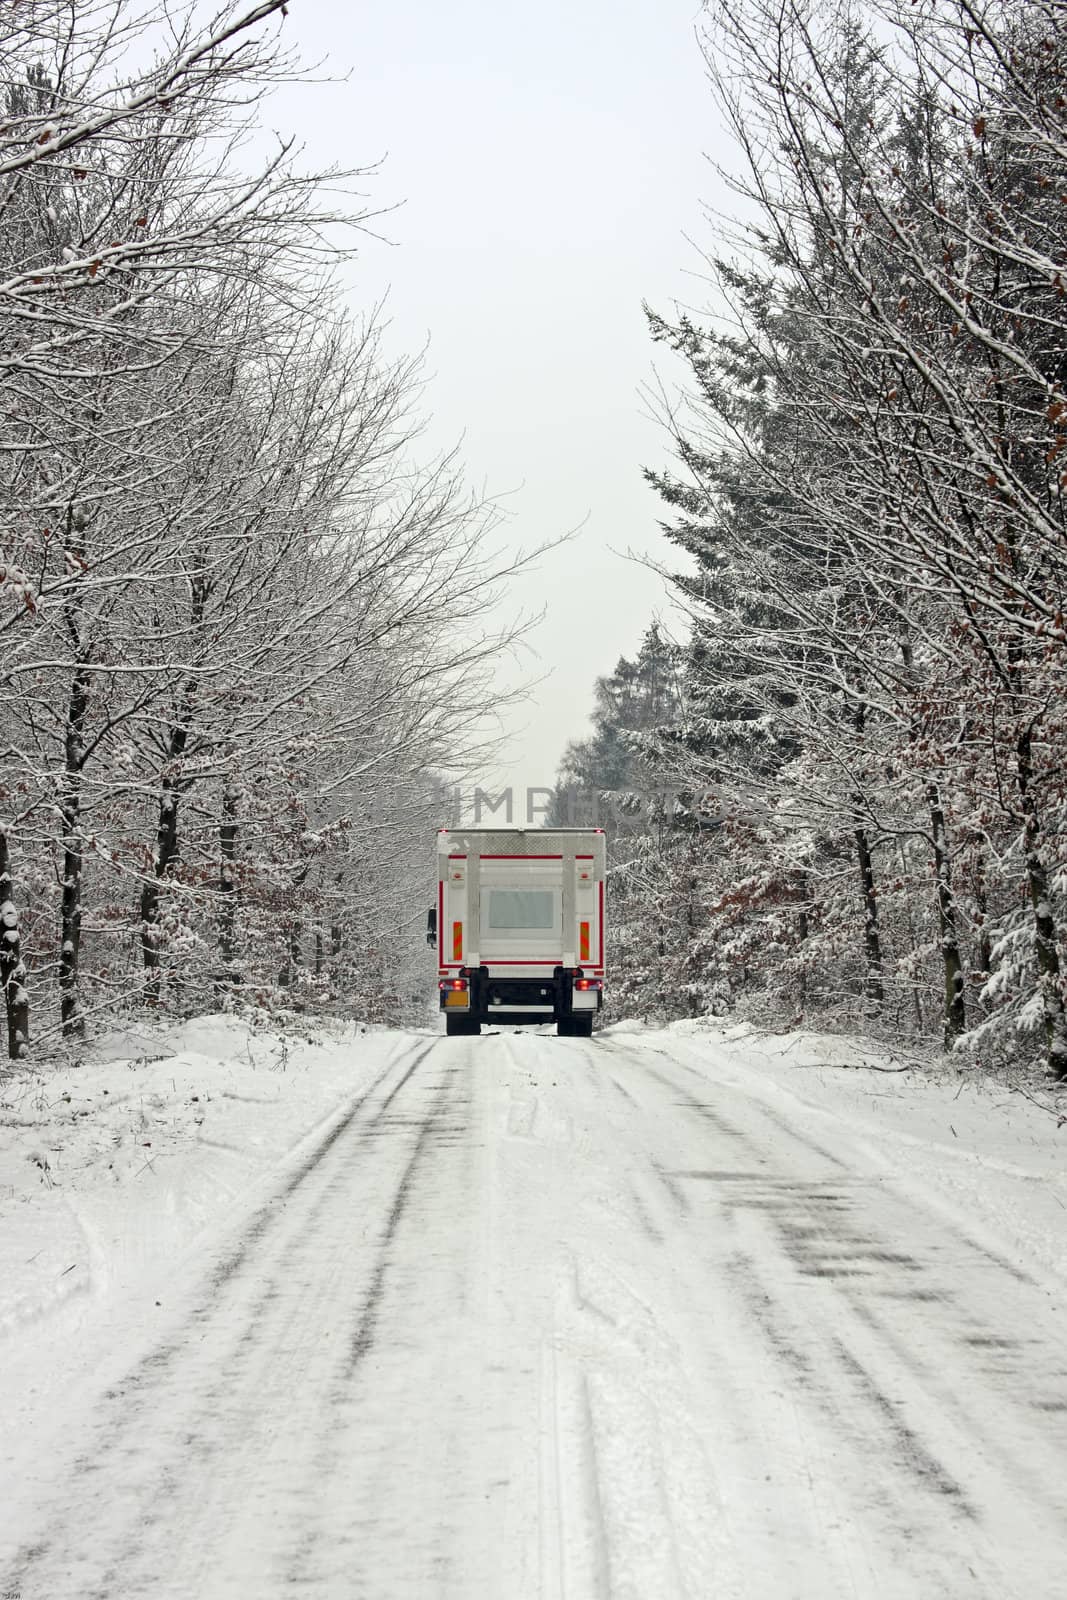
{"x": 453, "y": 983}
{"x": 588, "y": 983}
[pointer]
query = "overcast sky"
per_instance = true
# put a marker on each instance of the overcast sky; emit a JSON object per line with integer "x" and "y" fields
{"x": 548, "y": 162}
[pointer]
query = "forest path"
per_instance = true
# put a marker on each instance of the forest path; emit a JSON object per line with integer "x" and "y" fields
{"x": 544, "y": 1319}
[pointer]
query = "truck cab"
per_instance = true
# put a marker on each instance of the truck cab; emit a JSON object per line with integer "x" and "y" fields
{"x": 519, "y": 927}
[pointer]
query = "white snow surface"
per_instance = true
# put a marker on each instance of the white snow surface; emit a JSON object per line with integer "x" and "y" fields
{"x": 661, "y": 1315}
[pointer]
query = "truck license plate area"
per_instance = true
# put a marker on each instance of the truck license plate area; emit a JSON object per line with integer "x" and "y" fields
{"x": 457, "y": 997}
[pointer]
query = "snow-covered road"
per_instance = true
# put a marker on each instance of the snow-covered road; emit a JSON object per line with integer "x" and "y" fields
{"x": 545, "y": 1319}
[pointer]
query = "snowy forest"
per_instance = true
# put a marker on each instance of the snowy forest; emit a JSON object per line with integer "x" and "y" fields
{"x": 247, "y": 613}
{"x": 225, "y": 557}
{"x": 862, "y": 724}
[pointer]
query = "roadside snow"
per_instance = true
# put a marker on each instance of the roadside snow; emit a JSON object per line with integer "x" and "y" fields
{"x": 655, "y": 1316}
{"x": 109, "y": 1169}
{"x": 991, "y": 1155}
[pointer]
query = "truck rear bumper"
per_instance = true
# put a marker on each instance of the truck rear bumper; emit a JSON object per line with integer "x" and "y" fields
{"x": 518, "y": 1002}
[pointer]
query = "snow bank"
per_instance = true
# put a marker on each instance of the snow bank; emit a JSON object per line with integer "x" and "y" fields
{"x": 110, "y": 1169}
{"x": 992, "y": 1155}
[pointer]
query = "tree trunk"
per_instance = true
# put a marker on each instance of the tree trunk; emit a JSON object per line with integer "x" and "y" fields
{"x": 293, "y": 955}
{"x": 874, "y": 986}
{"x": 916, "y": 997}
{"x": 803, "y": 934}
{"x": 337, "y": 937}
{"x": 294, "y": 933}
{"x": 954, "y": 1017}
{"x": 70, "y": 906}
{"x": 1048, "y": 961}
{"x": 228, "y": 831}
{"x": 981, "y": 900}
{"x": 166, "y": 852}
{"x": 12, "y": 970}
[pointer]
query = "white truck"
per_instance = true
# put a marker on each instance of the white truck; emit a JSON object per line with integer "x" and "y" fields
{"x": 519, "y": 927}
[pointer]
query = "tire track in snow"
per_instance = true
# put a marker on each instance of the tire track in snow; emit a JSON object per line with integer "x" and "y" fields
{"x": 574, "y": 1557}
{"x": 822, "y": 1234}
{"x": 750, "y": 1383}
{"x": 432, "y": 1129}
{"x": 399, "y": 1456}
{"x": 909, "y": 1447}
{"x": 705, "y": 1109}
{"x": 889, "y": 1476}
{"x": 362, "y": 1339}
{"x": 966, "y": 1410}
{"x": 852, "y": 1260}
{"x": 139, "y": 1391}
{"x": 816, "y": 1247}
{"x": 711, "y": 1113}
{"x": 621, "y": 1087}
{"x": 819, "y": 1226}
{"x": 811, "y": 1235}
{"x": 334, "y": 1375}
{"x": 642, "y": 1516}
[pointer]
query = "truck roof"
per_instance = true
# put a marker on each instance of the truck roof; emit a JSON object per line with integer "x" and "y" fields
{"x": 531, "y": 842}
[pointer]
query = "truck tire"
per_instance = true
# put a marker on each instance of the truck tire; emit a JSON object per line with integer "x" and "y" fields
{"x": 454, "y": 1025}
